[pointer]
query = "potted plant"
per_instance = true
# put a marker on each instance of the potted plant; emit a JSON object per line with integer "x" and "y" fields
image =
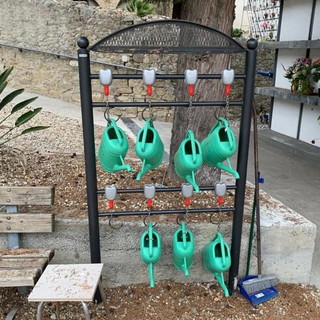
{"x": 299, "y": 75}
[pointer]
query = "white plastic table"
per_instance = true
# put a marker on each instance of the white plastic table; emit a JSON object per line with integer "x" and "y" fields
{"x": 68, "y": 283}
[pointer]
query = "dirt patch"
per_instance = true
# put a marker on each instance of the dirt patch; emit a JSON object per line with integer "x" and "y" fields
{"x": 54, "y": 157}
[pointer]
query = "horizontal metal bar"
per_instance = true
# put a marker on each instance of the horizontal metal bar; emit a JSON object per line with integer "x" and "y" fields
{"x": 157, "y": 212}
{"x": 167, "y": 76}
{"x": 169, "y": 189}
{"x": 185, "y": 104}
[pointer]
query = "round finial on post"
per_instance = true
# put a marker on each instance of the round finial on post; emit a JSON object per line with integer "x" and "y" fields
{"x": 252, "y": 44}
{"x": 83, "y": 42}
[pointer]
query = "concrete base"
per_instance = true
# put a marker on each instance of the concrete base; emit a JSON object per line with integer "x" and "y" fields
{"x": 288, "y": 241}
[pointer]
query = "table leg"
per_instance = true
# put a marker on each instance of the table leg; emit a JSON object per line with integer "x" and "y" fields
{"x": 85, "y": 309}
{"x": 103, "y": 296}
{"x": 39, "y": 310}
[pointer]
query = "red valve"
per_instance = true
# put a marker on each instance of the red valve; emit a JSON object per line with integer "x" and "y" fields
{"x": 149, "y": 203}
{"x": 149, "y": 90}
{"x": 187, "y": 202}
{"x": 227, "y": 89}
{"x": 106, "y": 90}
{"x": 111, "y": 204}
{"x": 191, "y": 90}
{"x": 220, "y": 201}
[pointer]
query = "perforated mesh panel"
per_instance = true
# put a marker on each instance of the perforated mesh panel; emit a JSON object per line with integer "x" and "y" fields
{"x": 168, "y": 36}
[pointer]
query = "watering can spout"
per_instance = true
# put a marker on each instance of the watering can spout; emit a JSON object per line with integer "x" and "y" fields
{"x": 220, "y": 279}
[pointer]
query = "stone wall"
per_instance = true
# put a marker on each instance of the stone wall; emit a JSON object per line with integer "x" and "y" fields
{"x": 53, "y": 26}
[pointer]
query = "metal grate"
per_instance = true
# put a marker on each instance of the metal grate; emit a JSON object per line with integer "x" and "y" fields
{"x": 168, "y": 36}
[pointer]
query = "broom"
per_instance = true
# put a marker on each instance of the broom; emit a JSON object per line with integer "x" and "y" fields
{"x": 261, "y": 282}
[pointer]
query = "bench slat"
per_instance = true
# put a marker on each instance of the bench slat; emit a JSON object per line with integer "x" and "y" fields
{"x": 26, "y": 222}
{"x": 26, "y": 195}
{"x": 19, "y": 278}
{"x": 11, "y": 264}
{"x": 26, "y": 253}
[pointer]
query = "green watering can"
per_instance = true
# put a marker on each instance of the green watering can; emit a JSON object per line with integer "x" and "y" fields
{"x": 183, "y": 249}
{"x": 188, "y": 159}
{"x": 216, "y": 259}
{"x": 149, "y": 148}
{"x": 113, "y": 148}
{"x": 150, "y": 250}
{"x": 219, "y": 145}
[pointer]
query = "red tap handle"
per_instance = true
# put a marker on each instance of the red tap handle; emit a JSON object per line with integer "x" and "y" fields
{"x": 149, "y": 203}
{"x": 227, "y": 89}
{"x": 111, "y": 204}
{"x": 191, "y": 90}
{"x": 149, "y": 90}
{"x": 106, "y": 90}
{"x": 220, "y": 201}
{"x": 187, "y": 202}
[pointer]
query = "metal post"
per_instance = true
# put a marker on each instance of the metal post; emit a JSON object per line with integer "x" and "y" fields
{"x": 244, "y": 140}
{"x": 89, "y": 148}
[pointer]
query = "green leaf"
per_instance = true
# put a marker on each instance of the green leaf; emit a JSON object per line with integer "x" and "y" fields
{"x": 2, "y": 86}
{"x": 5, "y": 74}
{"x": 26, "y": 117}
{"x": 22, "y": 104}
{"x": 7, "y": 99}
{"x": 32, "y": 129}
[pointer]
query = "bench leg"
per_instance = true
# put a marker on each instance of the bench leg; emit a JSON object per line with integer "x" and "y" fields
{"x": 103, "y": 296}
{"x": 86, "y": 310}
{"x": 39, "y": 310}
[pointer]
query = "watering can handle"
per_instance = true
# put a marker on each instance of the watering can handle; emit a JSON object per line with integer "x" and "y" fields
{"x": 228, "y": 130}
{"x": 150, "y": 234}
{"x": 223, "y": 251}
{"x": 116, "y": 129}
{"x": 190, "y": 135}
{"x": 145, "y": 131}
{"x": 184, "y": 234}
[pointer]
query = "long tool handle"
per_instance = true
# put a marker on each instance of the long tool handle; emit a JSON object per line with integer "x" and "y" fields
{"x": 257, "y": 190}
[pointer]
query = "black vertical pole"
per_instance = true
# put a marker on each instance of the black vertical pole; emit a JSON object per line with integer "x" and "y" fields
{"x": 89, "y": 148}
{"x": 244, "y": 141}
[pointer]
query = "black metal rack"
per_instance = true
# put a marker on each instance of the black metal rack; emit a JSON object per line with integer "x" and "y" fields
{"x": 166, "y": 36}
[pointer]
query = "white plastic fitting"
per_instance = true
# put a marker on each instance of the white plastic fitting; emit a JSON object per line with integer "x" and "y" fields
{"x": 220, "y": 189}
{"x": 105, "y": 77}
{"x": 149, "y": 191}
{"x": 149, "y": 77}
{"x": 110, "y": 192}
{"x": 227, "y": 76}
{"x": 187, "y": 190}
{"x": 190, "y": 76}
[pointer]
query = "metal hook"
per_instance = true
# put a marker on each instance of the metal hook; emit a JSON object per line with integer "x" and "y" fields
{"x": 181, "y": 218}
{"x": 151, "y": 116}
{"x": 107, "y": 115}
{"x": 145, "y": 221}
{"x": 112, "y": 226}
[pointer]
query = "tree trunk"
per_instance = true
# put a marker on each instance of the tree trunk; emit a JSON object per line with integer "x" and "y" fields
{"x": 218, "y": 14}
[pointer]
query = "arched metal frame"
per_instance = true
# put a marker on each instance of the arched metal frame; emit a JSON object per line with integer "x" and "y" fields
{"x": 177, "y": 37}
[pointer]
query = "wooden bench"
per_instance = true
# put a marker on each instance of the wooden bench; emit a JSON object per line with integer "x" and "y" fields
{"x": 22, "y": 267}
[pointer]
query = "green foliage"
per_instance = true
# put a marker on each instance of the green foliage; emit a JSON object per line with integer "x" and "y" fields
{"x": 140, "y": 7}
{"x": 8, "y": 133}
{"x": 237, "y": 33}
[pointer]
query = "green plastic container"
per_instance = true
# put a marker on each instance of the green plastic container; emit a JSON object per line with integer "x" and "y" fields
{"x": 113, "y": 148}
{"x": 149, "y": 148}
{"x": 150, "y": 250}
{"x": 219, "y": 146}
{"x": 188, "y": 159}
{"x": 183, "y": 249}
{"x": 217, "y": 260}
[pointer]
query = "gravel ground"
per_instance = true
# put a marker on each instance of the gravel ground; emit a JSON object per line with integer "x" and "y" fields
{"x": 55, "y": 157}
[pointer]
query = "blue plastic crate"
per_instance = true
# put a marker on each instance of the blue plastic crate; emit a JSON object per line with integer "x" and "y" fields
{"x": 259, "y": 296}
